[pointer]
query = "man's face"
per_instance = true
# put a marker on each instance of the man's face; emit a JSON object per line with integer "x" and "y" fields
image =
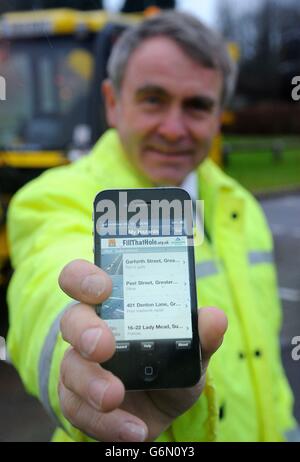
{"x": 167, "y": 112}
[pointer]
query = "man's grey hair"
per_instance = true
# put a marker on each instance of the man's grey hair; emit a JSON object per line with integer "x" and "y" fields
{"x": 197, "y": 40}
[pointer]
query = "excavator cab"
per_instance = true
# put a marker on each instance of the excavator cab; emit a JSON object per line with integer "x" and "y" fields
{"x": 52, "y": 63}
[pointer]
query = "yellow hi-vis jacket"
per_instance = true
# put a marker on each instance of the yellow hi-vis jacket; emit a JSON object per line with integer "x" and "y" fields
{"x": 247, "y": 397}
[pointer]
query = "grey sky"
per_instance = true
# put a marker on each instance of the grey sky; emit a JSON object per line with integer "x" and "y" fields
{"x": 202, "y": 8}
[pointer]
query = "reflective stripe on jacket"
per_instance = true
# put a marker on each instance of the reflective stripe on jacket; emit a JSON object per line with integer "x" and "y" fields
{"x": 246, "y": 397}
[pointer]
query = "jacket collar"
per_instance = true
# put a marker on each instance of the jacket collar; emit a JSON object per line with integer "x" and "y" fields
{"x": 113, "y": 169}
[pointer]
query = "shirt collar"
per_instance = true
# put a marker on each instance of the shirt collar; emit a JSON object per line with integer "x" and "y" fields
{"x": 190, "y": 185}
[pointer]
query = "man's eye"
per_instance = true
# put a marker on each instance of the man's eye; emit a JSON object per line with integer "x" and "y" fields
{"x": 152, "y": 99}
{"x": 199, "y": 106}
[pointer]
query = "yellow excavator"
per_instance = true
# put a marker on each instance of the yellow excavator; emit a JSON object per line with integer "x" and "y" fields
{"x": 52, "y": 63}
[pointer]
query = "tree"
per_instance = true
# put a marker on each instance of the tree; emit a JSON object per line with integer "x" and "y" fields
{"x": 261, "y": 35}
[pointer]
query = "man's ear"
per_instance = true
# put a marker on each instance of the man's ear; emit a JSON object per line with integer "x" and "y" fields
{"x": 110, "y": 100}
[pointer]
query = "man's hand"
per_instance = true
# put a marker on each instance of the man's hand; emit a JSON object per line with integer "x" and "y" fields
{"x": 93, "y": 399}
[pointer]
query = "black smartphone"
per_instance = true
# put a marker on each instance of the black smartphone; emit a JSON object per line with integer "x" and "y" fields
{"x": 143, "y": 239}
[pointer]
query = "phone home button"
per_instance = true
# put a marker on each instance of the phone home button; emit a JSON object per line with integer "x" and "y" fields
{"x": 149, "y": 372}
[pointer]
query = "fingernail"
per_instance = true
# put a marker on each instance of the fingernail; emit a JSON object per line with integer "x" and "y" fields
{"x": 96, "y": 390}
{"x": 92, "y": 285}
{"x": 132, "y": 432}
{"x": 89, "y": 340}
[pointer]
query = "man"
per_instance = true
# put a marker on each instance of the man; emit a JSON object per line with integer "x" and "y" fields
{"x": 169, "y": 79}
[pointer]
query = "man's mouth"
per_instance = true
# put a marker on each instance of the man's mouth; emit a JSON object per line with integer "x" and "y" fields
{"x": 170, "y": 153}
{"x": 169, "y": 164}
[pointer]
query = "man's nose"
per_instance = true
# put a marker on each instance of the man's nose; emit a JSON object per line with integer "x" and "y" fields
{"x": 172, "y": 126}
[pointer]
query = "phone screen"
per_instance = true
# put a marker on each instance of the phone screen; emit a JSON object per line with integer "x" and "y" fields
{"x": 150, "y": 299}
{"x": 152, "y": 310}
